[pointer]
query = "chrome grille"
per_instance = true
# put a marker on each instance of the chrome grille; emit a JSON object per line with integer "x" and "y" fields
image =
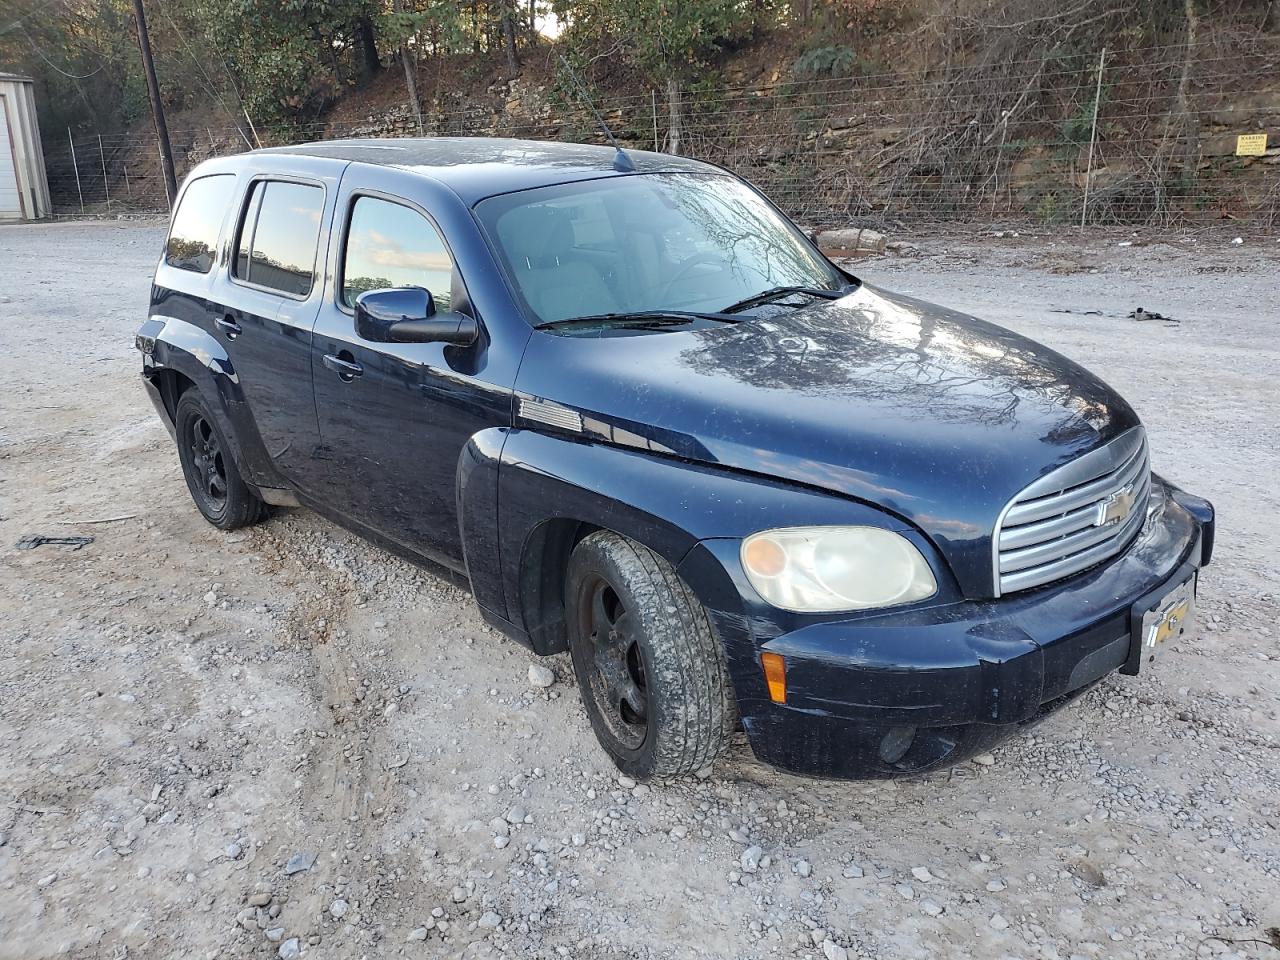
{"x": 1075, "y": 517}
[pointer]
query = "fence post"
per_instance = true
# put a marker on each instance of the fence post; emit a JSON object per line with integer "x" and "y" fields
{"x": 106, "y": 188}
{"x": 653, "y": 103}
{"x": 1093, "y": 136}
{"x": 168, "y": 203}
{"x": 127, "y": 185}
{"x": 76, "y": 167}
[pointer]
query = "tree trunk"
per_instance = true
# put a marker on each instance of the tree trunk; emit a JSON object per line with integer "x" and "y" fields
{"x": 410, "y": 75}
{"x": 1188, "y": 122}
{"x": 509, "y": 34}
{"x": 368, "y": 47}
{"x": 673, "y": 115}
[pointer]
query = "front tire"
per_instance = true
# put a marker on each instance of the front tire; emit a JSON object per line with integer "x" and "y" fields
{"x": 219, "y": 492}
{"x": 650, "y": 668}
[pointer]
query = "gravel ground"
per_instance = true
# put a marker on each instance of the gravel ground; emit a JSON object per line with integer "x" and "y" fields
{"x": 285, "y": 742}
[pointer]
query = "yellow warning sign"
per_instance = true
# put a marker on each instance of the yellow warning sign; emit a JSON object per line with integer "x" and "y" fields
{"x": 1251, "y": 144}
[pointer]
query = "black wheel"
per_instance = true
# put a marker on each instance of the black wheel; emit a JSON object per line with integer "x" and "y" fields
{"x": 650, "y": 668}
{"x": 215, "y": 483}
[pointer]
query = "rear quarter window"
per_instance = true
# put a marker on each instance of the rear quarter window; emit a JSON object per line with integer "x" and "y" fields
{"x": 193, "y": 239}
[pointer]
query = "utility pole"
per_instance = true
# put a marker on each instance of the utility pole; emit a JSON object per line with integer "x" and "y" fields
{"x": 157, "y": 109}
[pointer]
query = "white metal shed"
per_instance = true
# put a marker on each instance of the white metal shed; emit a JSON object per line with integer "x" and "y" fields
{"x": 24, "y": 188}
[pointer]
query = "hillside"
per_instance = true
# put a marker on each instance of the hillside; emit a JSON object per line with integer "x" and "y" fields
{"x": 919, "y": 123}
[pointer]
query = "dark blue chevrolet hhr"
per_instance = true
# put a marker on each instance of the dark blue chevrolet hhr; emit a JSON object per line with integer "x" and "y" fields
{"x": 650, "y": 424}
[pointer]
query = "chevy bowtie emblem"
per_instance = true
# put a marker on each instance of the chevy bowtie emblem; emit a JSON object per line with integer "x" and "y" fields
{"x": 1115, "y": 509}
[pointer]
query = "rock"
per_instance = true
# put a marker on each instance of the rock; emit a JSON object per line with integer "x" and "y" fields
{"x": 338, "y": 909}
{"x": 931, "y": 907}
{"x": 852, "y": 872}
{"x": 259, "y": 899}
{"x": 233, "y": 851}
{"x": 540, "y": 676}
{"x": 458, "y": 894}
{"x": 291, "y": 949}
{"x": 417, "y": 935}
{"x": 300, "y": 862}
{"x": 275, "y": 934}
{"x": 851, "y": 242}
{"x": 998, "y": 922}
{"x": 922, "y": 874}
{"x": 489, "y": 921}
{"x": 135, "y": 826}
{"x": 501, "y": 841}
{"x": 625, "y": 782}
{"x": 750, "y": 859}
{"x": 984, "y": 760}
{"x": 46, "y": 880}
{"x": 517, "y": 815}
{"x": 905, "y": 891}
{"x": 833, "y": 951}
{"x": 804, "y": 868}
{"x": 995, "y": 885}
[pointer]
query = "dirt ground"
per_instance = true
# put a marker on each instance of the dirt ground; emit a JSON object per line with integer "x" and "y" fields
{"x": 285, "y": 742}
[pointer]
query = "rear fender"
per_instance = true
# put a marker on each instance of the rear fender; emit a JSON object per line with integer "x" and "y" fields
{"x": 170, "y": 344}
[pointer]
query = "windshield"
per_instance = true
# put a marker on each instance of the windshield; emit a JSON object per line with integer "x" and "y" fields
{"x": 651, "y": 242}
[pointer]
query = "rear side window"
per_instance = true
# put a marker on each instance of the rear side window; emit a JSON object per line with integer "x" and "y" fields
{"x": 193, "y": 241}
{"x": 389, "y": 245}
{"x": 278, "y": 236}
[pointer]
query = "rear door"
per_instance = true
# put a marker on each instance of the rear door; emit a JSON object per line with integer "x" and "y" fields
{"x": 265, "y": 306}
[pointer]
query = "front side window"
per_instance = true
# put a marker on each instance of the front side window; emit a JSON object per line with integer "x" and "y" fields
{"x": 193, "y": 241}
{"x": 693, "y": 242}
{"x": 279, "y": 235}
{"x": 390, "y": 245}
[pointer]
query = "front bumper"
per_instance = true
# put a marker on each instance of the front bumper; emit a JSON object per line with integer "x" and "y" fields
{"x": 907, "y": 692}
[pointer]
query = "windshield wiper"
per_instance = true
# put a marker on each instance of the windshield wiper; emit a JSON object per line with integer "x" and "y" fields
{"x": 638, "y": 318}
{"x": 777, "y": 293}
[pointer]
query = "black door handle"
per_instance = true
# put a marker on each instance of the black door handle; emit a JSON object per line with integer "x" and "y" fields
{"x": 344, "y": 365}
{"x": 229, "y": 327}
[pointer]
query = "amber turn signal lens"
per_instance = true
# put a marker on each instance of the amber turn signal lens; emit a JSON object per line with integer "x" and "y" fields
{"x": 764, "y": 557}
{"x": 775, "y": 674}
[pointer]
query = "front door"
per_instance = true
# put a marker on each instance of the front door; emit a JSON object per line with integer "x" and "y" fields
{"x": 394, "y": 417}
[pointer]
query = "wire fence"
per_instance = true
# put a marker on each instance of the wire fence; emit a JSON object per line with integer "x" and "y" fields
{"x": 1147, "y": 137}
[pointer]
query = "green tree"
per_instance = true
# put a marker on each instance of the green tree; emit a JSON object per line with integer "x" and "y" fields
{"x": 292, "y": 58}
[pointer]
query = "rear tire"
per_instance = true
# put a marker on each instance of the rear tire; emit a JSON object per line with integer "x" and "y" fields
{"x": 219, "y": 492}
{"x": 650, "y": 668}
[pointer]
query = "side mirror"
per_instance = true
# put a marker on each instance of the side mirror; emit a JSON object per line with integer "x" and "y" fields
{"x": 408, "y": 315}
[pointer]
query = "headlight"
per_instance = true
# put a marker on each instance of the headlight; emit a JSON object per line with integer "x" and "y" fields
{"x": 825, "y": 569}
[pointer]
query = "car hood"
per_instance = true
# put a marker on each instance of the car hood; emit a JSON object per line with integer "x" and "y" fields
{"x": 930, "y": 414}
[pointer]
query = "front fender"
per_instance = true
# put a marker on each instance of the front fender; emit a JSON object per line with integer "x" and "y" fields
{"x": 170, "y": 344}
{"x": 667, "y": 504}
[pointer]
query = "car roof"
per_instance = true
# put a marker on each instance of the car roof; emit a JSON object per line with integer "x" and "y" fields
{"x": 479, "y": 167}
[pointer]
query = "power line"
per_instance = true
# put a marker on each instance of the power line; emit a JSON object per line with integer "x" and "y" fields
{"x": 70, "y": 76}
{"x": 209, "y": 80}
{"x": 22, "y": 19}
